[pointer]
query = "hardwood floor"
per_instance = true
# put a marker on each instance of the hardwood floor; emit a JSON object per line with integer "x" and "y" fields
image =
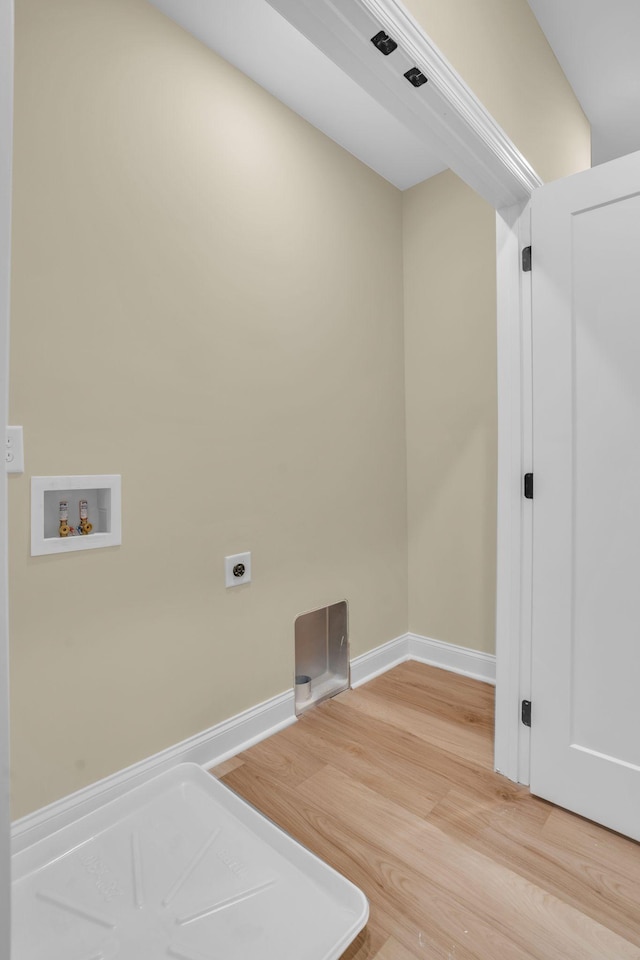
{"x": 392, "y": 784}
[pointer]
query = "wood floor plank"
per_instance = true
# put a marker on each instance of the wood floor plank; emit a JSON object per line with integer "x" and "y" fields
{"x": 393, "y": 785}
{"x": 516, "y": 838}
{"x": 462, "y": 701}
{"x": 402, "y": 903}
{"x": 469, "y": 744}
{"x": 439, "y": 769}
{"x": 366, "y": 946}
{"x": 583, "y": 838}
{"x": 222, "y": 769}
{"x": 371, "y": 764}
{"x": 323, "y": 836}
{"x": 401, "y": 852}
{"x": 282, "y": 760}
{"x": 392, "y": 950}
{"x": 467, "y": 883}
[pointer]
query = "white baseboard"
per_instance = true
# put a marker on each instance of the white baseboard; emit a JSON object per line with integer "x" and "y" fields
{"x": 411, "y": 646}
{"x": 209, "y": 748}
{"x": 226, "y": 739}
{"x": 379, "y": 660}
{"x": 448, "y": 656}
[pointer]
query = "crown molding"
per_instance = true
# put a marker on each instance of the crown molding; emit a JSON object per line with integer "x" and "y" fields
{"x": 445, "y": 112}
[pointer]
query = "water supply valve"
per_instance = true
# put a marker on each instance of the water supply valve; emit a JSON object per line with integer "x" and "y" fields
{"x": 64, "y": 529}
{"x": 84, "y": 527}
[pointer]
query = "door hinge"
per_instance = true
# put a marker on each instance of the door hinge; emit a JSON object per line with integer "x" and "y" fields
{"x": 528, "y": 486}
{"x": 526, "y": 259}
{"x": 526, "y": 712}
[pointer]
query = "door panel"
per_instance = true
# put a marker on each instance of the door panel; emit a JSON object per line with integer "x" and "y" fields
{"x": 585, "y": 748}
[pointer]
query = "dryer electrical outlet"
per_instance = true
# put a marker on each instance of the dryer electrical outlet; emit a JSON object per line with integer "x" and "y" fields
{"x": 237, "y": 569}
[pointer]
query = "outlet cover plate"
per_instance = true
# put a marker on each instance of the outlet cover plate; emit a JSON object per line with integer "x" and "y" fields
{"x": 14, "y": 450}
{"x": 235, "y": 562}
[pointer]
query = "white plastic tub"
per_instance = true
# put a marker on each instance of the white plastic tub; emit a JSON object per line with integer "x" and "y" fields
{"x": 181, "y": 868}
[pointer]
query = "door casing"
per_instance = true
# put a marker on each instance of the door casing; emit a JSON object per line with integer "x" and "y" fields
{"x": 515, "y": 518}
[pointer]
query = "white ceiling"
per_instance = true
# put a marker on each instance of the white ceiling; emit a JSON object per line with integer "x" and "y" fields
{"x": 597, "y": 43}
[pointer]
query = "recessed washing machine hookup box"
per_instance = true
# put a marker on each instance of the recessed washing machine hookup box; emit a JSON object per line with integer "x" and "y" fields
{"x": 75, "y": 513}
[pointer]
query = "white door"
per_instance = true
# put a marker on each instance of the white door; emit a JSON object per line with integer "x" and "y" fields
{"x": 585, "y": 736}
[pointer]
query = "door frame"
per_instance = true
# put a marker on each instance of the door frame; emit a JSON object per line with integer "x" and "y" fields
{"x": 514, "y": 574}
{"x": 6, "y": 154}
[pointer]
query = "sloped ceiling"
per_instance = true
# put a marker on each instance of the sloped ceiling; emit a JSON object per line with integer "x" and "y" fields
{"x": 252, "y": 36}
{"x": 595, "y": 43}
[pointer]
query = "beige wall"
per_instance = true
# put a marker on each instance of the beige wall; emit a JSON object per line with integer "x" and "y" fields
{"x": 501, "y": 53}
{"x": 450, "y": 343}
{"x": 207, "y": 299}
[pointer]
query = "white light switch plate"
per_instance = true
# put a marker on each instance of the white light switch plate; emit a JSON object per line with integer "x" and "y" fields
{"x": 14, "y": 450}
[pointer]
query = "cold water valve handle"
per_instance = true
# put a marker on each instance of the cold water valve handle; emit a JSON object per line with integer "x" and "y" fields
{"x": 84, "y": 526}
